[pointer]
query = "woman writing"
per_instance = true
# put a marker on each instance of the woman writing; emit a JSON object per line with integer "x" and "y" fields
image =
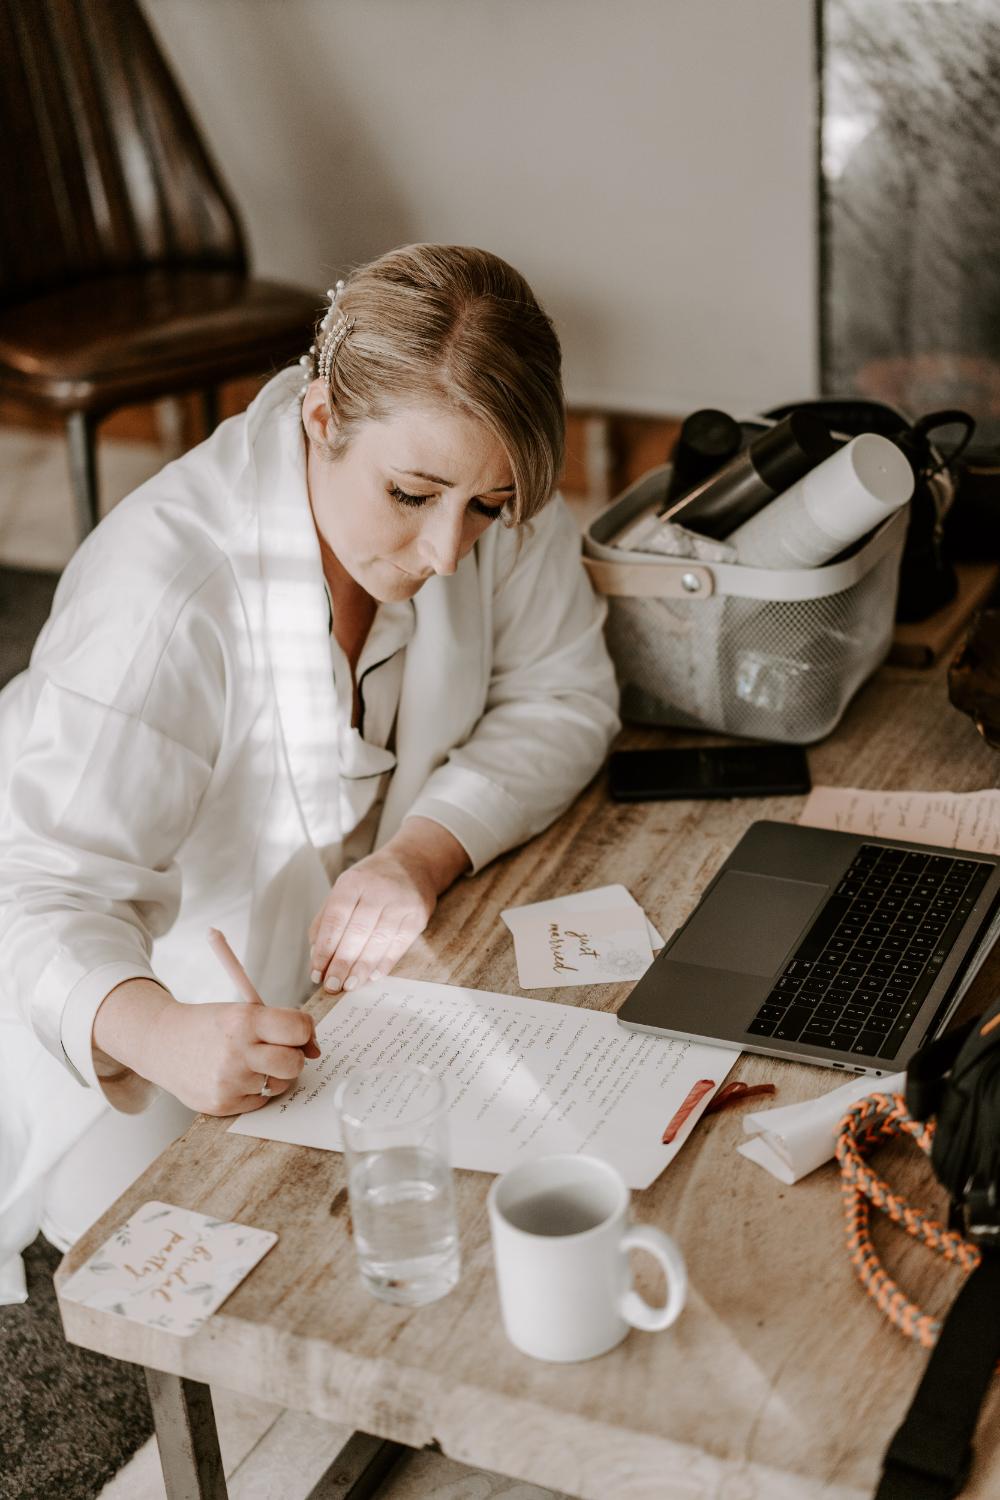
{"x": 315, "y": 669}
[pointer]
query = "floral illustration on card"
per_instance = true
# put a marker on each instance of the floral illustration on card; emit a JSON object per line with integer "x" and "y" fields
{"x": 168, "y": 1267}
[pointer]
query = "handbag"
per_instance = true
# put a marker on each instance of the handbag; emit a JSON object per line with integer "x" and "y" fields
{"x": 952, "y": 1110}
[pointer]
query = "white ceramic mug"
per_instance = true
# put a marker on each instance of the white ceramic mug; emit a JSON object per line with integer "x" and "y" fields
{"x": 560, "y": 1244}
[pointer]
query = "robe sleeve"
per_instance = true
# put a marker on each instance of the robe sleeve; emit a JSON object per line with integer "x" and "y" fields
{"x": 551, "y": 708}
{"x": 98, "y": 804}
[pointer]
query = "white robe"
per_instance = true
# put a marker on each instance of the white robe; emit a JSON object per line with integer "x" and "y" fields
{"x": 168, "y": 761}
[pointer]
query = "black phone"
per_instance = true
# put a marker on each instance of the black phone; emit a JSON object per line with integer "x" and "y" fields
{"x": 717, "y": 771}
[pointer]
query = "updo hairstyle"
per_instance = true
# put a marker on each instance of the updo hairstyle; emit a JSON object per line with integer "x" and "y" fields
{"x": 454, "y": 326}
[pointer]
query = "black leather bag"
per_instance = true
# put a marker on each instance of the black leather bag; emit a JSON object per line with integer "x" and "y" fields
{"x": 956, "y": 1080}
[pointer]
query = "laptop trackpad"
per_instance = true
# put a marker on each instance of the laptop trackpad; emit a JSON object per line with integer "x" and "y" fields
{"x": 748, "y": 923}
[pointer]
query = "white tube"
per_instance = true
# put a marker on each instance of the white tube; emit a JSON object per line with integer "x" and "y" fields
{"x": 832, "y": 506}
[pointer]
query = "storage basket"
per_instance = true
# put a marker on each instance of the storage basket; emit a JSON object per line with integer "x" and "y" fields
{"x": 760, "y": 652}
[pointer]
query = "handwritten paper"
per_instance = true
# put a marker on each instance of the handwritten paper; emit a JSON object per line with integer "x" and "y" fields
{"x": 168, "y": 1267}
{"x": 524, "y": 1077}
{"x": 600, "y": 936}
{"x": 954, "y": 820}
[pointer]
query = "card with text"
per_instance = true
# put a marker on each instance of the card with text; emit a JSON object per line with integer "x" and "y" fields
{"x": 168, "y": 1267}
{"x": 599, "y": 898}
{"x": 582, "y": 947}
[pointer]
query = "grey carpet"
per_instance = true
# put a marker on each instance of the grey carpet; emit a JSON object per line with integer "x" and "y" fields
{"x": 69, "y": 1419}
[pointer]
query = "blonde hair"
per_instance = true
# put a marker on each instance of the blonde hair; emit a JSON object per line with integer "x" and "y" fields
{"x": 456, "y": 326}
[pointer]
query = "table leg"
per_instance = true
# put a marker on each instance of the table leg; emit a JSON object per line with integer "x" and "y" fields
{"x": 188, "y": 1441}
{"x": 359, "y": 1468}
{"x": 187, "y": 1437}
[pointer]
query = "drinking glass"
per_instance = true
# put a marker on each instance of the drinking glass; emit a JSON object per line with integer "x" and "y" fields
{"x": 393, "y": 1124}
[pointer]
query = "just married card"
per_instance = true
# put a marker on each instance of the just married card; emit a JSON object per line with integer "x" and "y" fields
{"x": 590, "y": 937}
{"x": 594, "y": 947}
{"x": 168, "y": 1267}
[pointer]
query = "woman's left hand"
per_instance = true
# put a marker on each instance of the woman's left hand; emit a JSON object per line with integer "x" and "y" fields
{"x": 379, "y": 906}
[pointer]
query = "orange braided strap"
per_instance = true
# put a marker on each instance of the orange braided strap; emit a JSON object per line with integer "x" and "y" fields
{"x": 869, "y": 1121}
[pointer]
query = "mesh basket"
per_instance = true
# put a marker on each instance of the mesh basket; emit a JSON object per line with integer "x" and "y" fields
{"x": 765, "y": 653}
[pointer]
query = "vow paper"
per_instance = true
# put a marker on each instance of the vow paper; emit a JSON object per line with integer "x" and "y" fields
{"x": 168, "y": 1267}
{"x": 524, "y": 1077}
{"x": 955, "y": 820}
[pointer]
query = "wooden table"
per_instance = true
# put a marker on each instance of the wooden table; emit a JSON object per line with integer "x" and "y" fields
{"x": 781, "y": 1380}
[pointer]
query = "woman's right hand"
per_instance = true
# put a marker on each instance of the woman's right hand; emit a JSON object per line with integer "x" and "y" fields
{"x": 212, "y": 1057}
{"x": 215, "y": 1058}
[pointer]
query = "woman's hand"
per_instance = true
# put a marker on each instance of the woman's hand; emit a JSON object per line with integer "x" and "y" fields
{"x": 377, "y": 907}
{"x": 212, "y": 1057}
{"x": 215, "y": 1057}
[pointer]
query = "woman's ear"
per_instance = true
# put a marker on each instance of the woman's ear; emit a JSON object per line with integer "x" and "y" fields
{"x": 317, "y": 418}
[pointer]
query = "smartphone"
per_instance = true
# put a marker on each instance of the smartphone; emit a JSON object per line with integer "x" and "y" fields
{"x": 720, "y": 771}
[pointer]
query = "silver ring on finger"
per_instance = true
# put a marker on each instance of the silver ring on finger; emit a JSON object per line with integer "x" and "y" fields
{"x": 266, "y": 1091}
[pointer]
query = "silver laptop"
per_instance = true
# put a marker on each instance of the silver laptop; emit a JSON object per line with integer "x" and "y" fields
{"x": 824, "y": 947}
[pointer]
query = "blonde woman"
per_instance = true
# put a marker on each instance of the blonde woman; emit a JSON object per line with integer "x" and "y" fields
{"x": 292, "y": 687}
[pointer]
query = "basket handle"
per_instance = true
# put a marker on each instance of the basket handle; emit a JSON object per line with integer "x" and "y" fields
{"x": 681, "y": 579}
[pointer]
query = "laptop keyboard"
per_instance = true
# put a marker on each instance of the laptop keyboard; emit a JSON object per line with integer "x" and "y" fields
{"x": 861, "y": 972}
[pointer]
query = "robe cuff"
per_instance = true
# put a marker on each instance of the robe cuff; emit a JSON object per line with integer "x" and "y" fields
{"x": 76, "y": 1032}
{"x": 480, "y": 814}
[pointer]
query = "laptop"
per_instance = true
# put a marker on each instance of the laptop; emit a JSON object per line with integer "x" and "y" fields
{"x": 823, "y": 947}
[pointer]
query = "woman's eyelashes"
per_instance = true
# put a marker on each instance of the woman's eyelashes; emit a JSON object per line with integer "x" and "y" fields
{"x": 404, "y": 499}
{"x": 491, "y": 512}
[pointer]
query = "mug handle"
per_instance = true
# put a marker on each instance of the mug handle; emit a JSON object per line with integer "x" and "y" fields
{"x": 635, "y": 1309}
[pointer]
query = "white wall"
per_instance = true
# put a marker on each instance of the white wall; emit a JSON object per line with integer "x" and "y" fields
{"x": 648, "y": 165}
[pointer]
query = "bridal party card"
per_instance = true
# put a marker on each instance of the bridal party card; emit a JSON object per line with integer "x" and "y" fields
{"x": 168, "y": 1267}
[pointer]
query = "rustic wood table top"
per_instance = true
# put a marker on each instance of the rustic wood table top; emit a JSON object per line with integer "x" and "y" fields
{"x": 781, "y": 1380}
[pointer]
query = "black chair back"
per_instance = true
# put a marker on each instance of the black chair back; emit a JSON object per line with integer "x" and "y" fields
{"x": 103, "y": 168}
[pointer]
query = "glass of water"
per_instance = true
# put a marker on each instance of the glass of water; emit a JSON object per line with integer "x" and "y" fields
{"x": 393, "y": 1124}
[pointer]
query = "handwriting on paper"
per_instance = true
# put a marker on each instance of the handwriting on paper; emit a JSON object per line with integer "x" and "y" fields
{"x": 523, "y": 1076}
{"x": 955, "y": 820}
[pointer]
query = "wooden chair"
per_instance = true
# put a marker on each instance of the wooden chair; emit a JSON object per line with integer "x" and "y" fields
{"x": 123, "y": 268}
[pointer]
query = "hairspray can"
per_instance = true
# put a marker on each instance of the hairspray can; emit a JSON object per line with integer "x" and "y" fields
{"x": 773, "y": 461}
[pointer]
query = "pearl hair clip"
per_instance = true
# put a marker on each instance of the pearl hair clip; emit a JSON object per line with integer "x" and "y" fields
{"x": 333, "y": 330}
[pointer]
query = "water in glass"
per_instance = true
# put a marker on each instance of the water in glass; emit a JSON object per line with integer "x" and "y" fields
{"x": 404, "y": 1224}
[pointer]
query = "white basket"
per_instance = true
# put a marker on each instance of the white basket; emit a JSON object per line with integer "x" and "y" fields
{"x": 760, "y": 652}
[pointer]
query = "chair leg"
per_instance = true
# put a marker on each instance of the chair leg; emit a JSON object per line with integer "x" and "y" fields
{"x": 210, "y": 410}
{"x": 81, "y": 430}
